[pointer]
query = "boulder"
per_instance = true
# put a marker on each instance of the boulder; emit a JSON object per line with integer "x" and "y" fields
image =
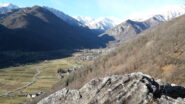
{"x": 135, "y": 88}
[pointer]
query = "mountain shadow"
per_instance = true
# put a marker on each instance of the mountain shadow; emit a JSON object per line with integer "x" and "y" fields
{"x": 36, "y": 30}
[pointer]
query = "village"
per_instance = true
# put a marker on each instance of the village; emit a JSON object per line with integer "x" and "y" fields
{"x": 84, "y": 55}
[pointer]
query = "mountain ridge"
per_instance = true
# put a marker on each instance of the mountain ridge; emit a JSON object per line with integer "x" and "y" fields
{"x": 7, "y": 7}
{"x": 21, "y": 20}
{"x": 102, "y": 24}
{"x": 64, "y": 16}
{"x": 167, "y": 13}
{"x": 127, "y": 30}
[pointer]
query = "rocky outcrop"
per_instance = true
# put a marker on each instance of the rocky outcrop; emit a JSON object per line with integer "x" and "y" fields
{"x": 135, "y": 88}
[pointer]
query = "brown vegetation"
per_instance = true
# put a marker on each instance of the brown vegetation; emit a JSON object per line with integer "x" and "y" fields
{"x": 159, "y": 52}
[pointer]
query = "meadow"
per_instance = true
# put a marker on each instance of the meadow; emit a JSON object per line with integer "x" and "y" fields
{"x": 43, "y": 76}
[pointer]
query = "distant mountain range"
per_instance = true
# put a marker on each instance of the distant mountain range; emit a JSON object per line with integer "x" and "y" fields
{"x": 167, "y": 13}
{"x": 101, "y": 24}
{"x": 7, "y": 7}
{"x": 131, "y": 27}
{"x": 119, "y": 29}
{"x": 41, "y": 29}
{"x": 37, "y": 29}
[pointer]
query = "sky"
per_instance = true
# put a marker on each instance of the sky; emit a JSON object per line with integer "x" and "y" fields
{"x": 99, "y": 8}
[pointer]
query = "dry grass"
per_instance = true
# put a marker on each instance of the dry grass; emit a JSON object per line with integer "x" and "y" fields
{"x": 159, "y": 52}
{"x": 12, "y": 100}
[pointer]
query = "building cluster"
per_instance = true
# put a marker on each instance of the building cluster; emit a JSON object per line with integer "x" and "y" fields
{"x": 88, "y": 55}
{"x": 34, "y": 95}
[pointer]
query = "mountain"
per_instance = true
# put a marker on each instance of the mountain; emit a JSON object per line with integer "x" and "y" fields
{"x": 35, "y": 30}
{"x": 64, "y": 17}
{"x": 159, "y": 52}
{"x": 136, "y": 25}
{"x": 134, "y": 88}
{"x": 167, "y": 13}
{"x": 44, "y": 29}
{"x": 7, "y": 7}
{"x": 171, "y": 12}
{"x": 130, "y": 28}
{"x": 83, "y": 19}
{"x": 99, "y": 24}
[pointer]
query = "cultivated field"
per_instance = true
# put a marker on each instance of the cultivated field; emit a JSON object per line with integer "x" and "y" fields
{"x": 16, "y": 82}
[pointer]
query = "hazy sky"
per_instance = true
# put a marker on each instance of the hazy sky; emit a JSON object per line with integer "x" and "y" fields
{"x": 98, "y": 8}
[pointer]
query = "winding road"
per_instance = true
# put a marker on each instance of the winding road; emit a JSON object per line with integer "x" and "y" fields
{"x": 34, "y": 79}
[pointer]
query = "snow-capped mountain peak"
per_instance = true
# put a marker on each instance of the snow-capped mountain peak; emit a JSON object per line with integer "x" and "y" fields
{"x": 4, "y": 5}
{"x": 164, "y": 14}
{"x": 171, "y": 12}
{"x": 83, "y": 19}
{"x": 8, "y": 5}
{"x": 102, "y": 23}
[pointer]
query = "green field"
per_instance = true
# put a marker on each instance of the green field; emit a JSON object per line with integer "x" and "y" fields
{"x": 14, "y": 77}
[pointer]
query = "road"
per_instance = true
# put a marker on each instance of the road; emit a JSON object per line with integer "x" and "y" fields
{"x": 34, "y": 79}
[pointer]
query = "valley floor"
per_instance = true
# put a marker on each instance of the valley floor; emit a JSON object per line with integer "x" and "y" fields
{"x": 30, "y": 79}
{"x": 22, "y": 83}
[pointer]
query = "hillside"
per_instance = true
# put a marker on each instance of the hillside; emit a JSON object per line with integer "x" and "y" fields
{"x": 32, "y": 34}
{"x": 64, "y": 17}
{"x": 44, "y": 31}
{"x": 158, "y": 52}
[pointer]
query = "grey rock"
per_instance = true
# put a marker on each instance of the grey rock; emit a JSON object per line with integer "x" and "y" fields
{"x": 135, "y": 88}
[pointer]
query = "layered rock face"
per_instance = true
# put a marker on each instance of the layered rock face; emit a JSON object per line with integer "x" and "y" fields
{"x": 135, "y": 88}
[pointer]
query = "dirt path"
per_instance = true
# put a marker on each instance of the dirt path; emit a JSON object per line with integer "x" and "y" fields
{"x": 34, "y": 79}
